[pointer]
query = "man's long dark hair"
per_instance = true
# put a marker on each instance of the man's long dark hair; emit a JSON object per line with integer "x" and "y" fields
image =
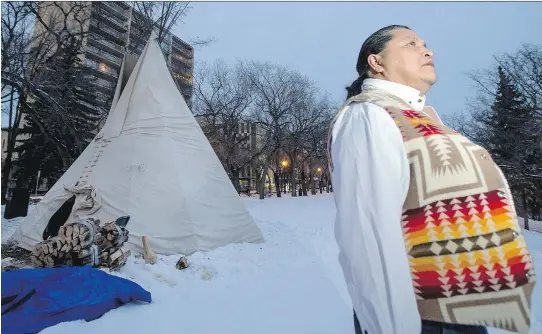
{"x": 372, "y": 45}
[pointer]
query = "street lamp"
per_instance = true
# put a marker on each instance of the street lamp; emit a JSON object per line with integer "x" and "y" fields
{"x": 284, "y": 163}
{"x": 319, "y": 170}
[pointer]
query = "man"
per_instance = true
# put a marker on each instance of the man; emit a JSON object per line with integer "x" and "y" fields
{"x": 425, "y": 221}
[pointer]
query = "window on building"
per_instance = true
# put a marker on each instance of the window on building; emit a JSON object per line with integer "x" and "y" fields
{"x": 90, "y": 62}
{"x": 186, "y": 78}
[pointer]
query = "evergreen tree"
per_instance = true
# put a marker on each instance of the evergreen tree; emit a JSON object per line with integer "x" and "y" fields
{"x": 506, "y": 124}
{"x": 61, "y": 119}
{"x": 514, "y": 142}
{"x": 509, "y": 122}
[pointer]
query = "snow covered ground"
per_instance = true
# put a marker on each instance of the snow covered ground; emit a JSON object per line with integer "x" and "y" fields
{"x": 10, "y": 225}
{"x": 291, "y": 284}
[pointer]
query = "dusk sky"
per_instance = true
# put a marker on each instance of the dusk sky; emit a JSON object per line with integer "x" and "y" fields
{"x": 322, "y": 39}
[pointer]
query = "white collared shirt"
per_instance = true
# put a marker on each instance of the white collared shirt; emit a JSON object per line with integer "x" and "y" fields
{"x": 405, "y": 93}
{"x": 370, "y": 182}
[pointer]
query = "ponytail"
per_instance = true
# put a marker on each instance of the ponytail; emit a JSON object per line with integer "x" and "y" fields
{"x": 355, "y": 88}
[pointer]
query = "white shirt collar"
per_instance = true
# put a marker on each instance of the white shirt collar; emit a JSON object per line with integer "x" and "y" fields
{"x": 406, "y": 93}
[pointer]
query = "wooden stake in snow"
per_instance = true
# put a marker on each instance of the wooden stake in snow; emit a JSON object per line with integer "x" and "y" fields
{"x": 148, "y": 254}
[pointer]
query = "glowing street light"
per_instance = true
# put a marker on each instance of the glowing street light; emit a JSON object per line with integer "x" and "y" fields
{"x": 319, "y": 170}
{"x": 284, "y": 163}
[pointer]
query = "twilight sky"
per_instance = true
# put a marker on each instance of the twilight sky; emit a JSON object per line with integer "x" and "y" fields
{"x": 322, "y": 39}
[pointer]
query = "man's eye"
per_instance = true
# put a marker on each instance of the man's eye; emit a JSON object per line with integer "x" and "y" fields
{"x": 413, "y": 43}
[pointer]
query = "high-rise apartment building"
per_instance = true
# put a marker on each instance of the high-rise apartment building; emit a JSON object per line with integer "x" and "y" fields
{"x": 114, "y": 34}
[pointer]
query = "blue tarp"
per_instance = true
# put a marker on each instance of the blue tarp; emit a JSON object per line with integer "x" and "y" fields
{"x": 34, "y": 299}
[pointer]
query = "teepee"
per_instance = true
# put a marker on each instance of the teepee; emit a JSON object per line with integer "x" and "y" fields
{"x": 151, "y": 161}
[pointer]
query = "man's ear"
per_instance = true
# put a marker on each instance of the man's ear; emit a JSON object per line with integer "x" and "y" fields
{"x": 375, "y": 62}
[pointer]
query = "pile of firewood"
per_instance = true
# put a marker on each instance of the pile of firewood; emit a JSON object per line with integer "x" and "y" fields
{"x": 84, "y": 243}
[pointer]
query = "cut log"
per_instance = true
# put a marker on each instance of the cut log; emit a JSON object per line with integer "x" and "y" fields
{"x": 118, "y": 259}
{"x": 69, "y": 231}
{"x": 69, "y": 260}
{"x": 83, "y": 253}
{"x": 99, "y": 238}
{"x": 84, "y": 237}
{"x": 49, "y": 261}
{"x": 36, "y": 262}
{"x": 36, "y": 251}
{"x": 62, "y": 231}
{"x": 73, "y": 246}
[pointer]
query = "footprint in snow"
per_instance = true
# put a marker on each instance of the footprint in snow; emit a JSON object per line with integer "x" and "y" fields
{"x": 208, "y": 274}
{"x": 165, "y": 280}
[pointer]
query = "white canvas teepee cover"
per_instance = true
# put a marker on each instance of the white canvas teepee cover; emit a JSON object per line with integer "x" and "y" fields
{"x": 151, "y": 161}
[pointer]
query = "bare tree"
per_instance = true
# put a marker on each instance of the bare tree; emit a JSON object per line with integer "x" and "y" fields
{"x": 223, "y": 99}
{"x": 160, "y": 17}
{"x": 277, "y": 91}
{"x": 15, "y": 40}
{"x": 36, "y": 39}
{"x": 15, "y": 37}
{"x": 305, "y": 119}
{"x": 35, "y": 36}
{"x": 524, "y": 68}
{"x": 315, "y": 141}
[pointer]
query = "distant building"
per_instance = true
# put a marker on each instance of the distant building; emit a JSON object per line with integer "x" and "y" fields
{"x": 256, "y": 141}
{"x": 113, "y": 31}
{"x": 111, "y": 35}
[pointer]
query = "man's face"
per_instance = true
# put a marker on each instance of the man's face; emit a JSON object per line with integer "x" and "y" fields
{"x": 407, "y": 60}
